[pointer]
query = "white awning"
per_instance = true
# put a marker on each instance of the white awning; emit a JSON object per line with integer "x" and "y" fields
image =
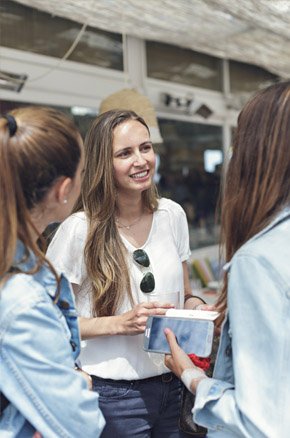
{"x": 251, "y": 31}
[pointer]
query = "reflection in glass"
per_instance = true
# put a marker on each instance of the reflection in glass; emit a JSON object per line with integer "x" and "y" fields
{"x": 184, "y": 66}
{"x": 188, "y": 151}
{"x": 249, "y": 78}
{"x": 29, "y": 29}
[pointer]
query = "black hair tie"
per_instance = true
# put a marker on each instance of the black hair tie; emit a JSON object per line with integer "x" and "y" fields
{"x": 12, "y": 125}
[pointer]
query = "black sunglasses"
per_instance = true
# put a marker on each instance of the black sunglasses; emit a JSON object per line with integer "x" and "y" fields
{"x": 147, "y": 284}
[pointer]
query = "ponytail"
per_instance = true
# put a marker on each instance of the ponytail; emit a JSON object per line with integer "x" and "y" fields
{"x": 8, "y": 199}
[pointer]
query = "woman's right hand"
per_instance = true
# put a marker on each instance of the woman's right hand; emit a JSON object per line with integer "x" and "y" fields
{"x": 134, "y": 321}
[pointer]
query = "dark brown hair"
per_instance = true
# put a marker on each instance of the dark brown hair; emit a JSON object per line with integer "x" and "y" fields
{"x": 257, "y": 182}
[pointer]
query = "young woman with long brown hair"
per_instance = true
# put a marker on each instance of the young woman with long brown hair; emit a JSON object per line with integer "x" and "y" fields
{"x": 41, "y": 160}
{"x": 121, "y": 240}
{"x": 249, "y": 394}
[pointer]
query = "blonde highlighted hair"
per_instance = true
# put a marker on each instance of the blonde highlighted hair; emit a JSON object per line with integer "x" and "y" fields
{"x": 105, "y": 254}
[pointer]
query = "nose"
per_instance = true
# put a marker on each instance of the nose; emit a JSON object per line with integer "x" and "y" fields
{"x": 139, "y": 160}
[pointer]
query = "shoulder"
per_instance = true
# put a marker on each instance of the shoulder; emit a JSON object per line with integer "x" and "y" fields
{"x": 66, "y": 249}
{"x": 173, "y": 211}
{"x": 268, "y": 251}
{"x": 75, "y": 225}
{"x": 273, "y": 241}
{"x": 170, "y": 206}
{"x": 20, "y": 294}
{"x": 78, "y": 218}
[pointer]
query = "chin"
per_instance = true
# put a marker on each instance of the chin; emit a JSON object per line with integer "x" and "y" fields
{"x": 145, "y": 186}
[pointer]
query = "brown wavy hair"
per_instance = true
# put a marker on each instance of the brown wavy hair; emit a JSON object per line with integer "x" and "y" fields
{"x": 45, "y": 146}
{"x": 105, "y": 254}
{"x": 257, "y": 182}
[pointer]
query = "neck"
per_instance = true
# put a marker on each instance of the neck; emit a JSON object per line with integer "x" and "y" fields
{"x": 40, "y": 223}
{"x": 129, "y": 208}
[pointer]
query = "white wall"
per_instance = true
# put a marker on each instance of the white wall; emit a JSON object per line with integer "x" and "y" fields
{"x": 69, "y": 83}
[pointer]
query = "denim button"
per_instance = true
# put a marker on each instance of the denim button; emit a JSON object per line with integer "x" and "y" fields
{"x": 64, "y": 304}
{"x": 73, "y": 345}
{"x": 166, "y": 378}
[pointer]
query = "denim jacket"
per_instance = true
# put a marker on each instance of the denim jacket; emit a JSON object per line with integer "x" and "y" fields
{"x": 249, "y": 394}
{"x": 39, "y": 344}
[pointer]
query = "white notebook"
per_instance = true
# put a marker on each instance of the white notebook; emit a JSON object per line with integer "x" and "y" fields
{"x": 208, "y": 315}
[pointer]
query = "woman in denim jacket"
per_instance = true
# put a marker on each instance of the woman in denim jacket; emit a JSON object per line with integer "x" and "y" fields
{"x": 40, "y": 172}
{"x": 249, "y": 395}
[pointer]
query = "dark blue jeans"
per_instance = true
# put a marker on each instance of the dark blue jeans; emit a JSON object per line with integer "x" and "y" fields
{"x": 140, "y": 408}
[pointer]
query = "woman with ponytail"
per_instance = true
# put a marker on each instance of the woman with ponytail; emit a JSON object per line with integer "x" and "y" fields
{"x": 41, "y": 160}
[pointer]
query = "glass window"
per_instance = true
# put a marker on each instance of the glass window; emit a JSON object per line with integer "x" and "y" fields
{"x": 184, "y": 66}
{"x": 29, "y": 29}
{"x": 189, "y": 172}
{"x": 248, "y": 78}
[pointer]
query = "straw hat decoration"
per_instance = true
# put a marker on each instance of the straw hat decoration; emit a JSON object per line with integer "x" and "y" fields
{"x": 130, "y": 99}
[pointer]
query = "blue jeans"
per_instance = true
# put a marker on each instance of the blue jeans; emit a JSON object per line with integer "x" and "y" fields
{"x": 140, "y": 408}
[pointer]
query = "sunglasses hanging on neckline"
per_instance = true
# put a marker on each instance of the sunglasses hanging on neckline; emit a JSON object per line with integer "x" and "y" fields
{"x": 147, "y": 284}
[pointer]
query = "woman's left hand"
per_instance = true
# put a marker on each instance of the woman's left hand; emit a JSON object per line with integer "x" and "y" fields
{"x": 181, "y": 365}
{"x": 178, "y": 360}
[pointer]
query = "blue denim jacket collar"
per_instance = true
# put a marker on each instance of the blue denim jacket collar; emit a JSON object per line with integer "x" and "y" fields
{"x": 284, "y": 214}
{"x": 24, "y": 258}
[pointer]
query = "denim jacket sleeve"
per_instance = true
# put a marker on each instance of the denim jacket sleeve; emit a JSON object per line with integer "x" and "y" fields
{"x": 37, "y": 371}
{"x": 250, "y": 395}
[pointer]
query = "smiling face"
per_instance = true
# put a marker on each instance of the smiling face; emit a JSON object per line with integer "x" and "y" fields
{"x": 133, "y": 157}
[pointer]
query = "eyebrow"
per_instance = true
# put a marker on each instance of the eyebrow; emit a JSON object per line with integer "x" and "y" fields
{"x": 130, "y": 147}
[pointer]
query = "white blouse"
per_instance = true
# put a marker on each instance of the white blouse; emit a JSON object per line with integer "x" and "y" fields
{"x": 122, "y": 357}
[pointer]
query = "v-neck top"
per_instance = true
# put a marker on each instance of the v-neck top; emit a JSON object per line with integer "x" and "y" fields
{"x": 128, "y": 244}
{"x": 122, "y": 357}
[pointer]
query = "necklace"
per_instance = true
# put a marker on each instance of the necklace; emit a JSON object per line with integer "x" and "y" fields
{"x": 120, "y": 225}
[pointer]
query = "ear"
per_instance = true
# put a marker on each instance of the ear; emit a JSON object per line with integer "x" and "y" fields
{"x": 62, "y": 189}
